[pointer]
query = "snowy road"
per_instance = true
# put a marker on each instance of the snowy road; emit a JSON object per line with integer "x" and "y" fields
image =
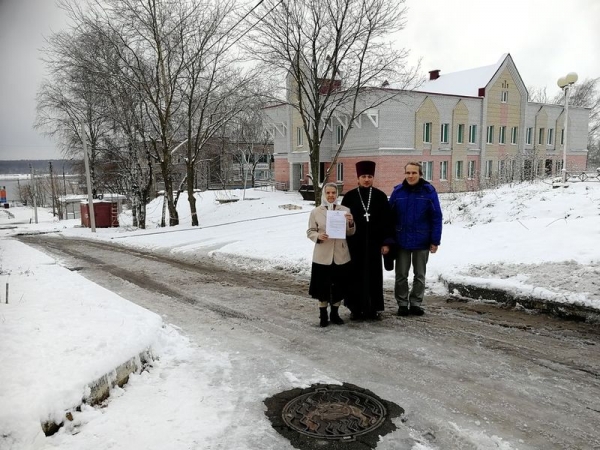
{"x": 469, "y": 375}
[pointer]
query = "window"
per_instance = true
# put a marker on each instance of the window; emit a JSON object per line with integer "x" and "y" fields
{"x": 427, "y": 132}
{"x": 471, "y": 170}
{"x": 443, "y": 170}
{"x": 472, "y": 134}
{"x": 339, "y": 134}
{"x": 490, "y": 134}
{"x": 444, "y": 133}
{"x": 301, "y": 172}
{"x": 502, "y": 135}
{"x": 460, "y": 135}
{"x": 529, "y": 136}
{"x": 538, "y": 168}
{"x": 562, "y": 137}
{"x": 501, "y": 168}
{"x": 299, "y": 137}
{"x": 458, "y": 171}
{"x": 541, "y": 136}
{"x": 504, "y": 96}
{"x": 427, "y": 170}
{"x": 559, "y": 165}
{"x": 488, "y": 168}
{"x": 514, "y": 135}
{"x": 550, "y": 136}
{"x": 340, "y": 171}
{"x": 548, "y": 167}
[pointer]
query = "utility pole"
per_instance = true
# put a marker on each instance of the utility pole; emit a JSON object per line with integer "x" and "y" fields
{"x": 33, "y": 193}
{"x": 53, "y": 193}
{"x": 91, "y": 211}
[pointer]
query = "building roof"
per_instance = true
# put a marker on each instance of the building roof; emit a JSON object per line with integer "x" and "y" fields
{"x": 464, "y": 83}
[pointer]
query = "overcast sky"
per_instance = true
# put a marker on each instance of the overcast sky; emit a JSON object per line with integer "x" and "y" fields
{"x": 546, "y": 38}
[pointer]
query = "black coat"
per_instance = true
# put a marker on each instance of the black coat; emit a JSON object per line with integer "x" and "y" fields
{"x": 365, "y": 248}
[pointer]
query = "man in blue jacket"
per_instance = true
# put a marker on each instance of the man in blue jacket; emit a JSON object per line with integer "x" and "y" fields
{"x": 418, "y": 222}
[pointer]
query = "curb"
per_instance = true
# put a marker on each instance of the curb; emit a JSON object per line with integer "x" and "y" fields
{"x": 569, "y": 311}
{"x": 100, "y": 388}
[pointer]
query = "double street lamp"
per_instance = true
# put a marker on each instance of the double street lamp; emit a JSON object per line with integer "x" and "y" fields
{"x": 565, "y": 83}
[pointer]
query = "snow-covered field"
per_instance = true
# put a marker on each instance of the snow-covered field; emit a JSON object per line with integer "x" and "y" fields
{"x": 520, "y": 237}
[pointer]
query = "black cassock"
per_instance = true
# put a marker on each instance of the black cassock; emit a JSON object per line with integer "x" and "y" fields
{"x": 366, "y": 293}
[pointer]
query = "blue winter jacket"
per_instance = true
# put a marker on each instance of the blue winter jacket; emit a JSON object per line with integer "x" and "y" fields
{"x": 417, "y": 215}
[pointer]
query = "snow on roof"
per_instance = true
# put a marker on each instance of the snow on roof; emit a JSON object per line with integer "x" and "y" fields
{"x": 464, "y": 83}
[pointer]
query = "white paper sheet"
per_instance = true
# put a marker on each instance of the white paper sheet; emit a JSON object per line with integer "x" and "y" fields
{"x": 335, "y": 225}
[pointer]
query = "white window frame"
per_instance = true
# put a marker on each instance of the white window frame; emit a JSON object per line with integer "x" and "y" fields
{"x": 472, "y": 134}
{"x": 427, "y": 132}
{"x": 444, "y": 133}
{"x": 488, "y": 168}
{"x": 504, "y": 97}
{"x": 460, "y": 133}
{"x": 427, "y": 170}
{"x": 443, "y": 170}
{"x": 299, "y": 137}
{"x": 339, "y": 134}
{"x": 550, "y": 136}
{"x": 490, "y": 134}
{"x": 558, "y": 164}
{"x": 541, "y": 135}
{"x": 502, "y": 134}
{"x": 340, "y": 171}
{"x": 501, "y": 167}
{"x": 471, "y": 169}
{"x": 529, "y": 136}
{"x": 514, "y": 135}
{"x": 459, "y": 170}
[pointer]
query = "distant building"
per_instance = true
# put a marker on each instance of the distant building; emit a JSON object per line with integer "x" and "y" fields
{"x": 226, "y": 164}
{"x": 469, "y": 129}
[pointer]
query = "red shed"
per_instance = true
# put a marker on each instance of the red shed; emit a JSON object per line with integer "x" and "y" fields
{"x": 106, "y": 214}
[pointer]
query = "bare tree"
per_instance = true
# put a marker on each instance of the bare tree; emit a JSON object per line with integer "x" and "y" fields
{"x": 147, "y": 39}
{"x": 538, "y": 95}
{"x": 90, "y": 85}
{"x": 70, "y": 102}
{"x": 252, "y": 143}
{"x": 213, "y": 90}
{"x": 335, "y": 53}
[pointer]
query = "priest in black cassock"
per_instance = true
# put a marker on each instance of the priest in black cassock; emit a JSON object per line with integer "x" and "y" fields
{"x": 373, "y": 237}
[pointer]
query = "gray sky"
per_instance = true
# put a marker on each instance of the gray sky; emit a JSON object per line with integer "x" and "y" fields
{"x": 23, "y": 25}
{"x": 546, "y": 38}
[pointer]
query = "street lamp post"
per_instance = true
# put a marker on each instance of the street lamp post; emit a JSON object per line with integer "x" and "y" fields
{"x": 565, "y": 83}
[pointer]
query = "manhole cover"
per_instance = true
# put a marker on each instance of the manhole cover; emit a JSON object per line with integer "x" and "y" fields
{"x": 327, "y": 416}
{"x": 334, "y": 414}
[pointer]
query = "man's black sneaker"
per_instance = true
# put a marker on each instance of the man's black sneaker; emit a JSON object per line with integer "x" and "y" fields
{"x": 374, "y": 316}
{"x": 403, "y": 311}
{"x": 416, "y": 311}
{"x": 356, "y": 316}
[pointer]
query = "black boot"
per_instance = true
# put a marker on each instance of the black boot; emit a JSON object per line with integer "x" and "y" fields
{"x": 334, "y": 316}
{"x": 323, "y": 316}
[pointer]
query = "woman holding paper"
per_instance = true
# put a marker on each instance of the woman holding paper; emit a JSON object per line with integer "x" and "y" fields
{"x": 331, "y": 258}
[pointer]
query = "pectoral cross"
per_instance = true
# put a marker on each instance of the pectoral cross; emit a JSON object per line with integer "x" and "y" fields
{"x": 367, "y": 215}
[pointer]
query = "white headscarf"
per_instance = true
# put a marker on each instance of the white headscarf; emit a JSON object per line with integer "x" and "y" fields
{"x": 324, "y": 201}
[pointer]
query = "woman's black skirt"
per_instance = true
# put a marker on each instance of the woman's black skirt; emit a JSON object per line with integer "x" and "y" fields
{"x": 329, "y": 283}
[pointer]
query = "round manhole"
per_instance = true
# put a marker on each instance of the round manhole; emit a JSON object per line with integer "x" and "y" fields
{"x": 325, "y": 416}
{"x": 334, "y": 414}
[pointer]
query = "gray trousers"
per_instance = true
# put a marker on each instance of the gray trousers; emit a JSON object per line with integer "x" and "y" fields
{"x": 404, "y": 259}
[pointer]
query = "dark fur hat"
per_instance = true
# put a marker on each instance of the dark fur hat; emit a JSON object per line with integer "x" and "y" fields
{"x": 365, "y": 168}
